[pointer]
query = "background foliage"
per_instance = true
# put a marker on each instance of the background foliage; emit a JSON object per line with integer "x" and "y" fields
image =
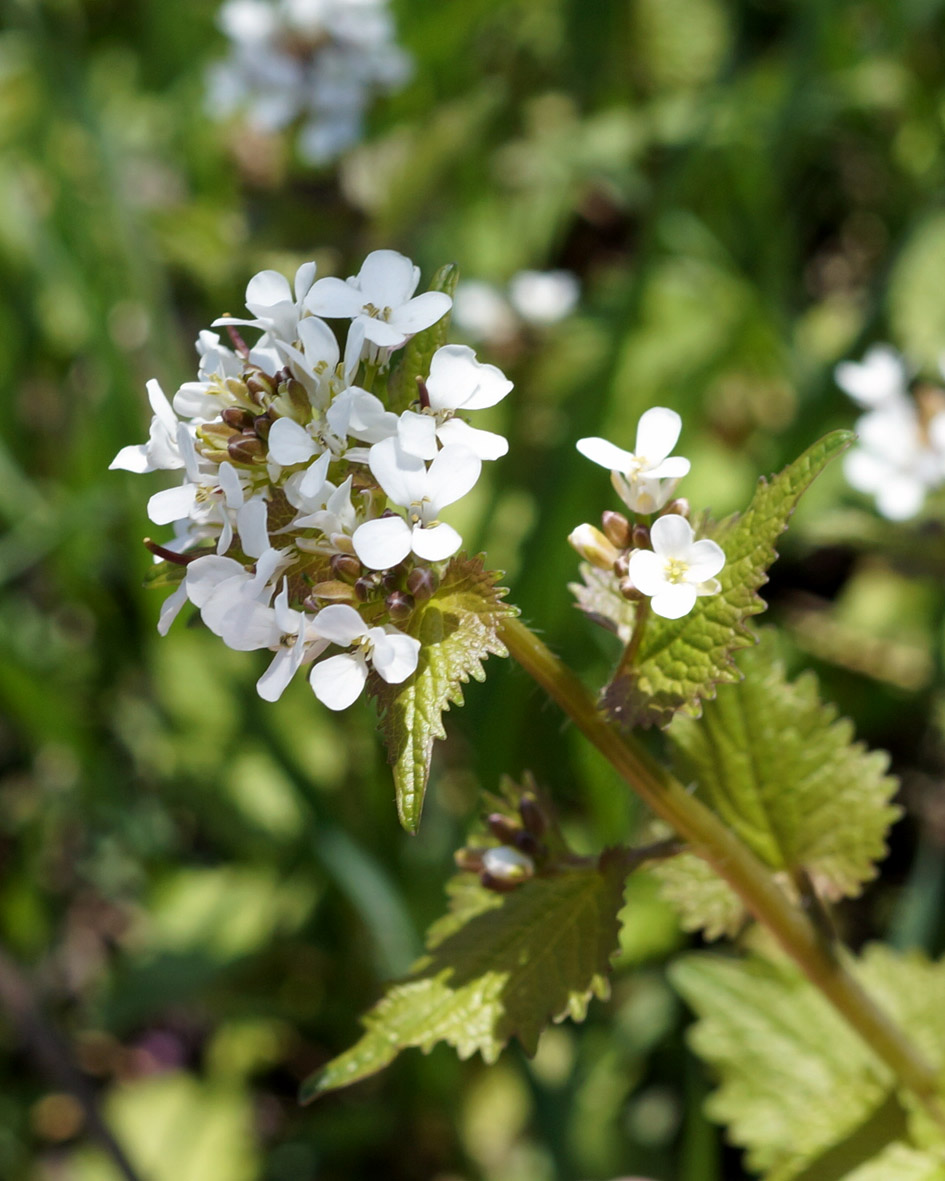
{"x": 205, "y": 891}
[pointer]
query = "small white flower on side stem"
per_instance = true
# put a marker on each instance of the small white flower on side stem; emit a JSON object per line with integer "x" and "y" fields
{"x": 162, "y": 450}
{"x": 645, "y": 479}
{"x": 678, "y": 569}
{"x": 423, "y": 491}
{"x": 338, "y": 681}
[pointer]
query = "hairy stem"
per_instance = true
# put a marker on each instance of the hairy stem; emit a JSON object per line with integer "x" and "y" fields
{"x": 749, "y": 878}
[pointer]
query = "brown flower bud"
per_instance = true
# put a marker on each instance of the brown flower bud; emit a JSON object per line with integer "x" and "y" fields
{"x": 237, "y": 418}
{"x": 400, "y": 605}
{"x": 641, "y": 537}
{"x": 346, "y": 567}
{"x": 365, "y": 588}
{"x": 617, "y": 528}
{"x": 262, "y": 424}
{"x": 260, "y": 386}
{"x": 629, "y": 591}
{"x": 679, "y": 506}
{"x": 502, "y": 828}
{"x": 622, "y": 565}
{"x": 422, "y": 583}
{"x": 532, "y": 815}
{"x": 469, "y": 859}
{"x": 330, "y": 591}
{"x": 246, "y": 449}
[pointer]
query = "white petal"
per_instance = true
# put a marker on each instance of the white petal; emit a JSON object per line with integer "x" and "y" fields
{"x": 435, "y": 543}
{"x": 304, "y": 278}
{"x": 251, "y": 523}
{"x": 287, "y": 620}
{"x": 173, "y": 504}
{"x": 195, "y": 400}
{"x": 657, "y": 433}
{"x": 675, "y": 600}
{"x": 312, "y": 483}
{"x": 485, "y": 444}
{"x": 333, "y": 297}
{"x": 379, "y": 332}
{"x": 671, "y": 536}
{"x": 900, "y": 498}
{"x": 133, "y": 458}
{"x": 230, "y": 485}
{"x": 205, "y": 574}
{"x": 402, "y": 476}
{"x": 395, "y": 656}
{"x": 171, "y": 607}
{"x": 417, "y": 434}
{"x": 319, "y": 342}
{"x": 161, "y": 407}
{"x": 421, "y": 312}
{"x": 354, "y": 347}
{"x": 881, "y": 377}
{"x": 457, "y": 380}
{"x": 265, "y": 290}
{"x": 705, "y": 560}
{"x": 337, "y": 682}
{"x": 454, "y": 471}
{"x": 599, "y": 451}
{"x": 290, "y": 443}
{"x": 382, "y": 543}
{"x": 673, "y": 468}
{"x": 387, "y": 279}
{"x": 340, "y": 624}
{"x": 280, "y": 672}
{"x": 647, "y": 571}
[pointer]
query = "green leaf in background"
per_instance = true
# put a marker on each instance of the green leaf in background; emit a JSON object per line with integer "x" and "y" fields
{"x": 784, "y": 774}
{"x": 499, "y": 966}
{"x": 681, "y": 661}
{"x": 798, "y": 1088}
{"x": 703, "y": 901}
{"x": 458, "y": 629}
{"x": 415, "y": 358}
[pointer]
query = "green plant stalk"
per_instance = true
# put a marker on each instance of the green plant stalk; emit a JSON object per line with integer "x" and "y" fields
{"x": 749, "y": 878}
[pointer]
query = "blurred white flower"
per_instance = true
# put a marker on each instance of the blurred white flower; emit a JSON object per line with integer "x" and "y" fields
{"x": 896, "y": 460}
{"x": 880, "y": 379}
{"x": 644, "y": 479}
{"x": 482, "y": 312}
{"x": 544, "y": 297}
{"x": 316, "y": 61}
{"x": 678, "y": 569}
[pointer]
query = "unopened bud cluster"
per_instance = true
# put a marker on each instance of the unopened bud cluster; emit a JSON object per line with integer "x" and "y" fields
{"x": 309, "y": 512}
{"x": 659, "y": 559}
{"x": 520, "y": 854}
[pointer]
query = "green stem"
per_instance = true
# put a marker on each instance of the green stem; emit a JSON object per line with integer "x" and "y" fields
{"x": 733, "y": 861}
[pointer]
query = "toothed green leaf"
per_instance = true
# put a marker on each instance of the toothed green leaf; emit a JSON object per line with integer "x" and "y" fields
{"x": 415, "y": 358}
{"x": 681, "y": 661}
{"x": 798, "y": 1088}
{"x": 704, "y": 901}
{"x": 779, "y": 768}
{"x": 499, "y": 966}
{"x": 457, "y": 629}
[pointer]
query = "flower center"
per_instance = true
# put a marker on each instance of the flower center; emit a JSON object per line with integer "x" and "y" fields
{"x": 377, "y": 313}
{"x": 676, "y": 570}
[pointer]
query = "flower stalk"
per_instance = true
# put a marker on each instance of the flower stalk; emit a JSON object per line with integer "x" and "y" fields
{"x": 709, "y": 838}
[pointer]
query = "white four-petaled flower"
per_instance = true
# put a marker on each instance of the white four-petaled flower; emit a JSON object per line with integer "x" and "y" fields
{"x": 423, "y": 491}
{"x": 338, "y": 681}
{"x": 678, "y": 569}
{"x": 646, "y": 478}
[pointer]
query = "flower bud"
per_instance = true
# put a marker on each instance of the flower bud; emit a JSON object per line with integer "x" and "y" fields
{"x": 237, "y": 418}
{"x": 532, "y": 815}
{"x": 400, "y": 605}
{"x": 507, "y": 865}
{"x": 622, "y": 565}
{"x": 342, "y": 543}
{"x": 617, "y": 528}
{"x": 469, "y": 859}
{"x": 297, "y": 394}
{"x": 391, "y": 578}
{"x": 262, "y": 424}
{"x": 365, "y": 588}
{"x": 259, "y": 386}
{"x": 346, "y": 567}
{"x": 629, "y": 591}
{"x": 330, "y": 591}
{"x": 422, "y": 583}
{"x": 528, "y": 844}
{"x": 680, "y": 506}
{"x": 641, "y": 537}
{"x": 593, "y": 546}
{"x": 237, "y": 389}
{"x": 246, "y": 449}
{"x": 502, "y": 828}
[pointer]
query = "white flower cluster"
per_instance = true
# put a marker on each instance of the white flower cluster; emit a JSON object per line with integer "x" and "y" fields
{"x": 309, "y": 509}
{"x": 662, "y": 560}
{"x": 900, "y": 456}
{"x": 315, "y": 60}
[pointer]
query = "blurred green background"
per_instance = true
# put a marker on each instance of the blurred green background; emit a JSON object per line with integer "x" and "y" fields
{"x": 202, "y": 891}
